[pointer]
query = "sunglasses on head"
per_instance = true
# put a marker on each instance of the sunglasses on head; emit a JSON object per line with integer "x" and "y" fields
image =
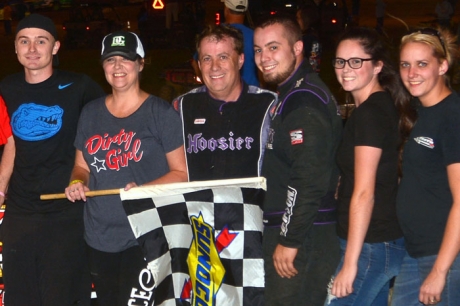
{"x": 433, "y": 32}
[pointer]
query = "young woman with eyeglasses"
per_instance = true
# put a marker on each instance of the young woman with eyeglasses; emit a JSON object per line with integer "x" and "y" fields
{"x": 371, "y": 240}
{"x": 428, "y": 202}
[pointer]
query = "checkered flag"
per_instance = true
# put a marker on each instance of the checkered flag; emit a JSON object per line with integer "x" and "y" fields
{"x": 202, "y": 241}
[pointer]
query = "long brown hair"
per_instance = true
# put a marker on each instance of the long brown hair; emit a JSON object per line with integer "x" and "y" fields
{"x": 379, "y": 50}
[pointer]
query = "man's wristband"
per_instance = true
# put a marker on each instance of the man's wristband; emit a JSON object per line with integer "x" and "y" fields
{"x": 75, "y": 181}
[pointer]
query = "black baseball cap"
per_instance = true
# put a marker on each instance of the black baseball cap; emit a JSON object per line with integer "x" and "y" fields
{"x": 38, "y": 21}
{"x": 122, "y": 43}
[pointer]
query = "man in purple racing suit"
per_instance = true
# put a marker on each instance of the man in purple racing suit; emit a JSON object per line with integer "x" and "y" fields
{"x": 301, "y": 249}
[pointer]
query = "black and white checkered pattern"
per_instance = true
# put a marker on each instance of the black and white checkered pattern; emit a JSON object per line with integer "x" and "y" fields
{"x": 161, "y": 224}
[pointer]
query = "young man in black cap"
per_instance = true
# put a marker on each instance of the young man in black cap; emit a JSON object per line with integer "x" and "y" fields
{"x": 43, "y": 248}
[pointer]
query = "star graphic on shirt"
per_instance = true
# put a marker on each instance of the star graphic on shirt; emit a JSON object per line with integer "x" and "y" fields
{"x": 98, "y": 164}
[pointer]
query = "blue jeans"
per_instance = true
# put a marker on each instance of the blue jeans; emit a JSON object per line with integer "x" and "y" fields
{"x": 378, "y": 263}
{"x": 413, "y": 273}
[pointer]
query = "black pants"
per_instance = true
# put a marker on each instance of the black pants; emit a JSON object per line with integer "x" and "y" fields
{"x": 316, "y": 262}
{"x": 44, "y": 261}
{"x": 116, "y": 276}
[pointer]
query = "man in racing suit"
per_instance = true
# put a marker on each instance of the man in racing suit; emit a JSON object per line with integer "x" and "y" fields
{"x": 301, "y": 250}
{"x": 225, "y": 127}
{"x": 225, "y": 122}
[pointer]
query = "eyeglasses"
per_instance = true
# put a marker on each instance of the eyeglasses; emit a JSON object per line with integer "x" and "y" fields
{"x": 354, "y": 62}
{"x": 433, "y": 32}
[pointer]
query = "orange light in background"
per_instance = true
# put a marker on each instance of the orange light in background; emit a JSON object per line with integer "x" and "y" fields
{"x": 217, "y": 18}
{"x": 158, "y": 5}
{"x": 334, "y": 21}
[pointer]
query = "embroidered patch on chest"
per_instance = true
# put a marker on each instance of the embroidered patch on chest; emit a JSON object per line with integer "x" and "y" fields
{"x": 425, "y": 141}
{"x": 296, "y": 136}
{"x": 199, "y": 121}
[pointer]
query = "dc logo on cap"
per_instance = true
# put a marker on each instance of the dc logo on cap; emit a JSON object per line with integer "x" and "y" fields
{"x": 118, "y": 41}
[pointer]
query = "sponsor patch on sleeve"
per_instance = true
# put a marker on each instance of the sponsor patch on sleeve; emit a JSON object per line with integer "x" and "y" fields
{"x": 296, "y": 136}
{"x": 289, "y": 211}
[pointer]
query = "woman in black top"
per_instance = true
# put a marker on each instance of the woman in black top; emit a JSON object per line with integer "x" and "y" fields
{"x": 371, "y": 240}
{"x": 428, "y": 202}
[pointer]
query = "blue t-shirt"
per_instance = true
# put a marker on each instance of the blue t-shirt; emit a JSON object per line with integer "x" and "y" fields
{"x": 249, "y": 69}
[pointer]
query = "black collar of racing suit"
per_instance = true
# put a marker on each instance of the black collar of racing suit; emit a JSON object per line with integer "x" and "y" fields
{"x": 287, "y": 86}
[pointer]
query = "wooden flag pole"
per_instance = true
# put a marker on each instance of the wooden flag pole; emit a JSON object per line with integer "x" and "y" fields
{"x": 95, "y": 193}
{"x": 166, "y": 189}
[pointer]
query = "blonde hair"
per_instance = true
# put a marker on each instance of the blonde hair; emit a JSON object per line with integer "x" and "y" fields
{"x": 441, "y": 41}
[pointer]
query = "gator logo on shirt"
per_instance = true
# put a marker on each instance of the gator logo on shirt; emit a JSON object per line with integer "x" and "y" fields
{"x": 33, "y": 122}
{"x": 296, "y": 136}
{"x": 425, "y": 141}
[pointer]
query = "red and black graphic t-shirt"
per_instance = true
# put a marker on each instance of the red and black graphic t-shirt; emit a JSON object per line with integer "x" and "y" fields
{"x": 118, "y": 151}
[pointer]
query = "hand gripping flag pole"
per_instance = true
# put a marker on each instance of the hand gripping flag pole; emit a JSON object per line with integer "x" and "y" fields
{"x": 95, "y": 193}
